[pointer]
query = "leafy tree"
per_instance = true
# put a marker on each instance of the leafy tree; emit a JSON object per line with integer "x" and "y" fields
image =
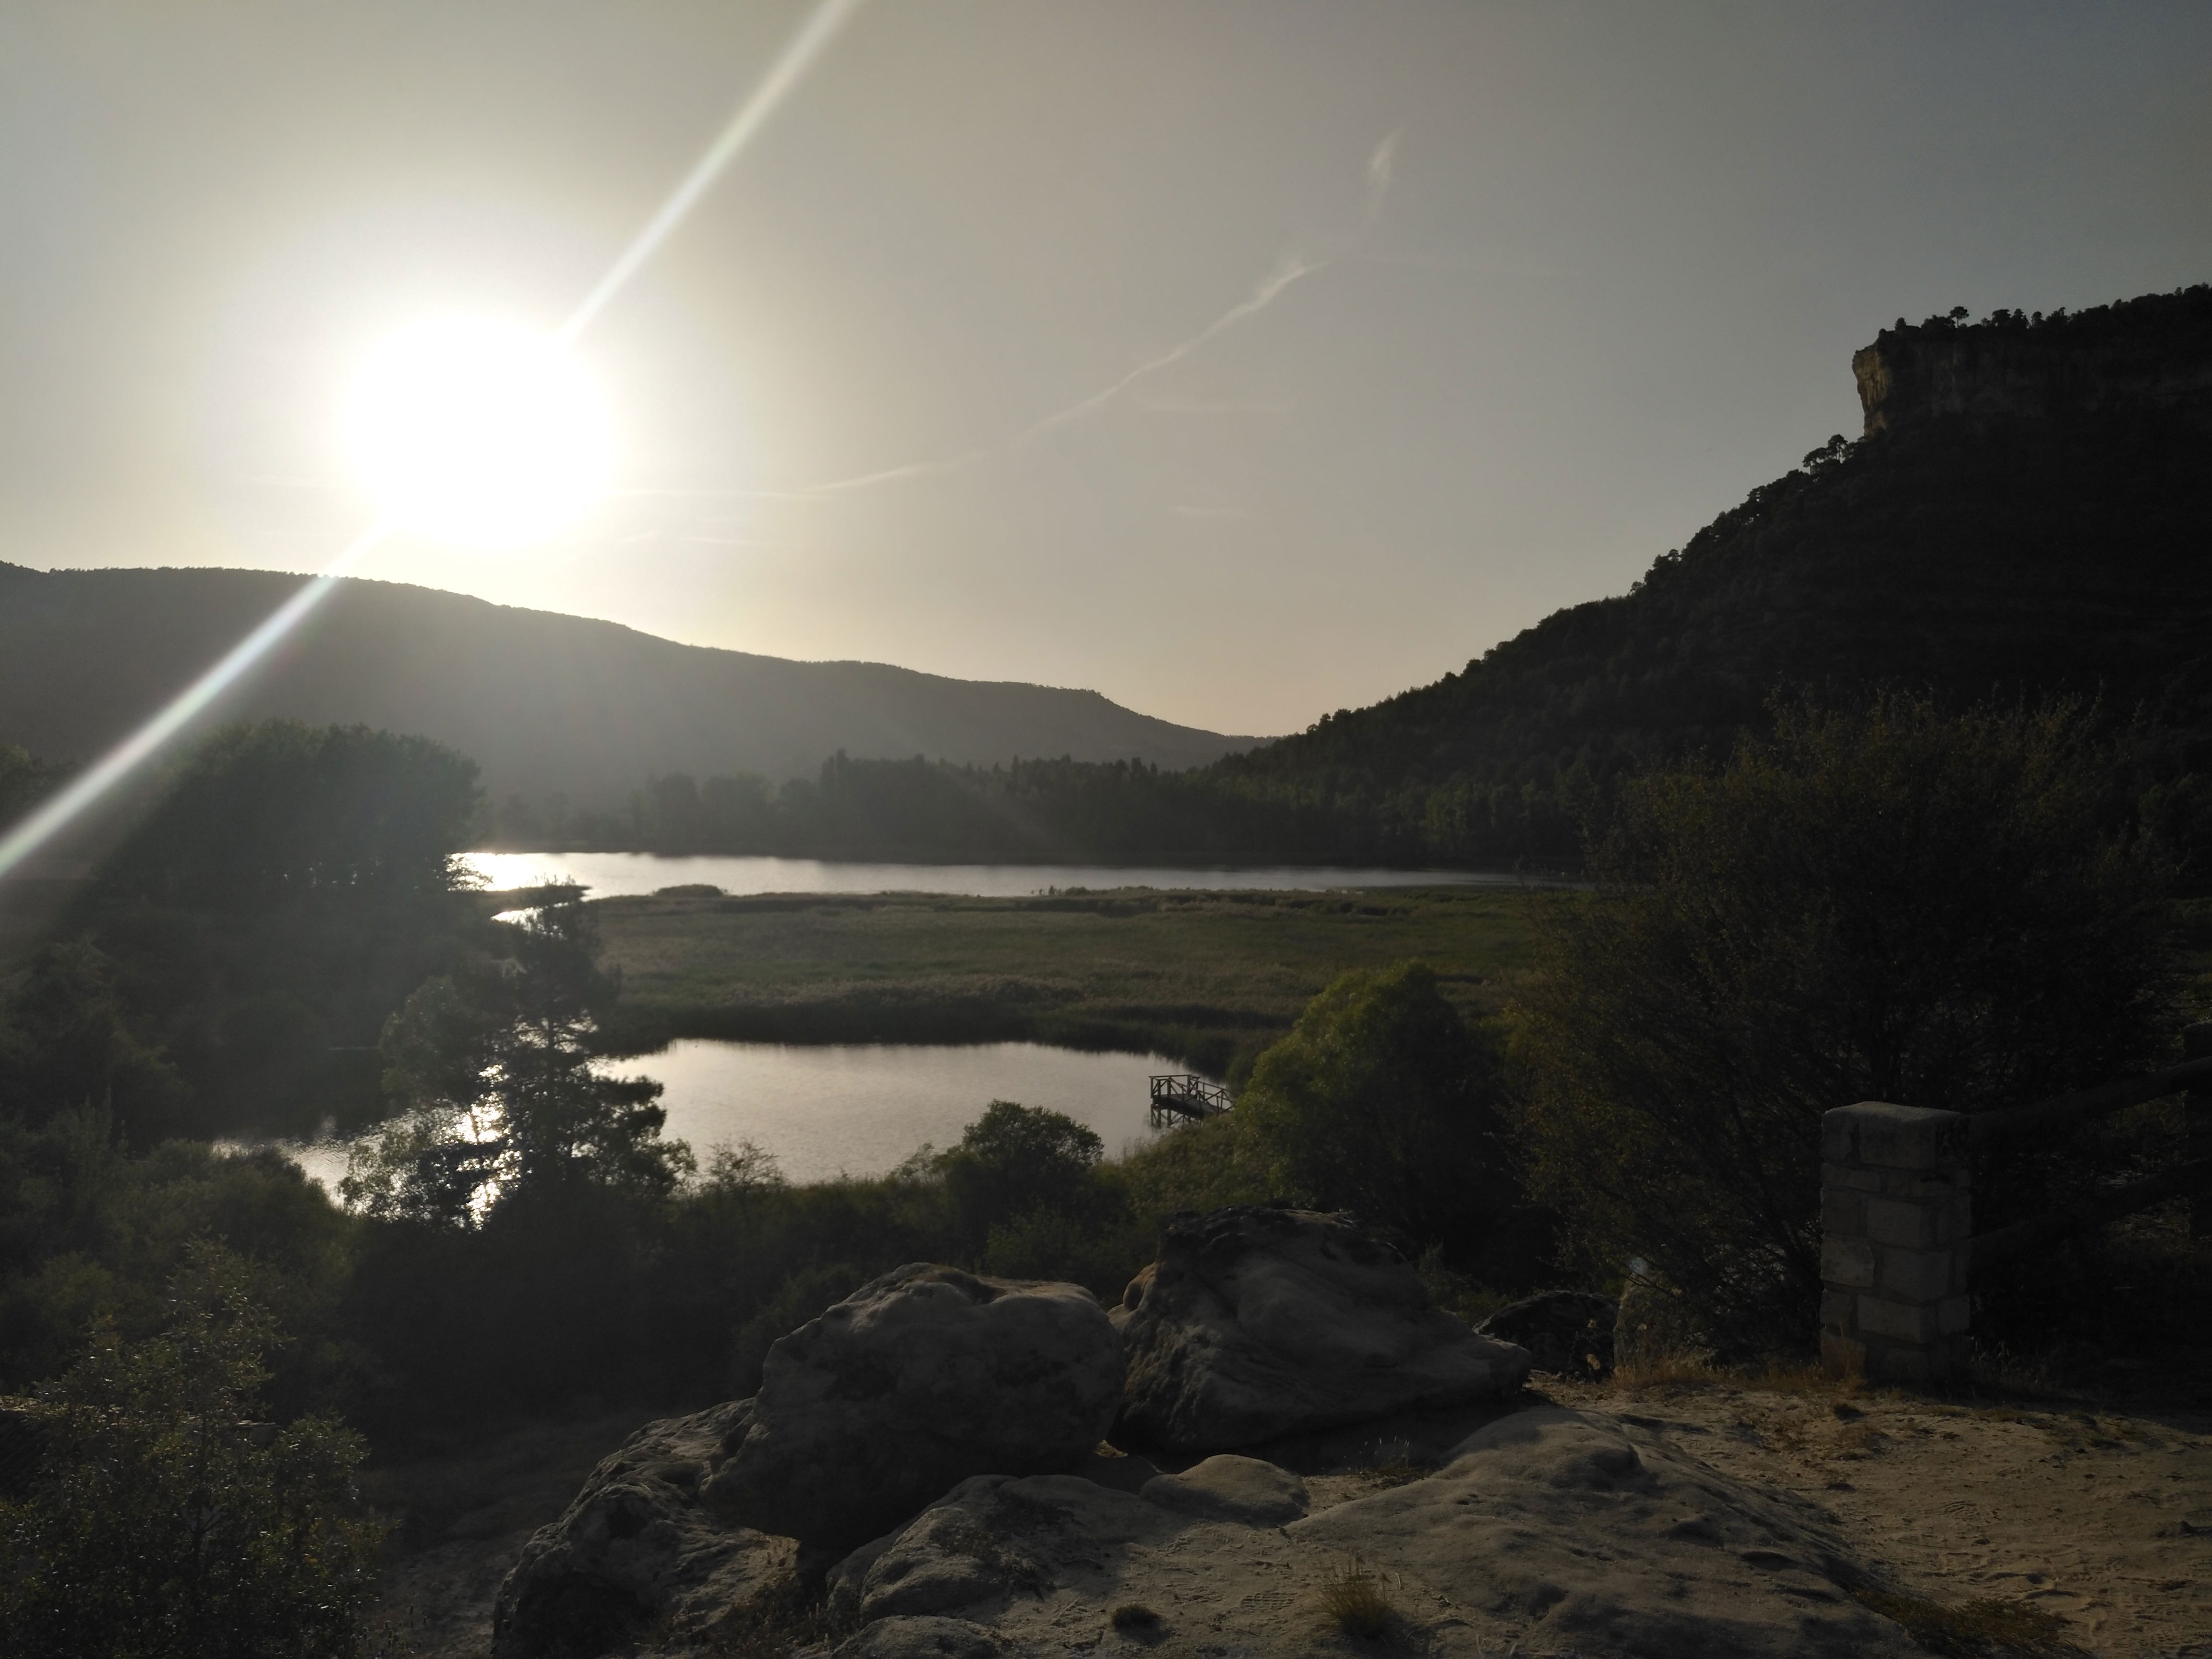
{"x": 64, "y": 1042}
{"x": 265, "y": 813}
{"x": 1384, "y": 1101}
{"x": 164, "y": 1521}
{"x": 1892, "y": 905}
{"x": 495, "y": 1066}
{"x": 1015, "y": 1160}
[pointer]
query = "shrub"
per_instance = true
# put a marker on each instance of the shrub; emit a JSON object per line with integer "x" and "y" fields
{"x": 1015, "y": 1159}
{"x": 165, "y": 1520}
{"x": 1891, "y": 905}
{"x": 1384, "y": 1101}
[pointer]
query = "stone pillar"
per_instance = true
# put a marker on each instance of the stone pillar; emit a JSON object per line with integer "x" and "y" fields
{"x": 2196, "y": 1109}
{"x": 1895, "y": 1217}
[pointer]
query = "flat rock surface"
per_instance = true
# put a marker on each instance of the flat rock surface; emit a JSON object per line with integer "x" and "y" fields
{"x": 1568, "y": 1529}
{"x": 1256, "y": 1323}
{"x": 1556, "y": 1529}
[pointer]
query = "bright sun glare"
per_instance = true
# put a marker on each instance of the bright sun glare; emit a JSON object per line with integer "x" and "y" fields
{"x": 476, "y": 431}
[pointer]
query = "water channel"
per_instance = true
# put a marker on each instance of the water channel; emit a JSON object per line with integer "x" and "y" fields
{"x": 624, "y": 875}
{"x": 860, "y": 1108}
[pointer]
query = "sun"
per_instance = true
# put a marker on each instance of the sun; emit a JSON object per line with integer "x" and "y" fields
{"x": 476, "y": 431}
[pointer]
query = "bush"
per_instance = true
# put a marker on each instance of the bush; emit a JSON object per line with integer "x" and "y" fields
{"x": 164, "y": 1520}
{"x": 1382, "y": 1100}
{"x": 1894, "y": 905}
{"x": 1015, "y": 1160}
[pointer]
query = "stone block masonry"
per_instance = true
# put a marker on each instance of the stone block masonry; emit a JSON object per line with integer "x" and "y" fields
{"x": 1896, "y": 1213}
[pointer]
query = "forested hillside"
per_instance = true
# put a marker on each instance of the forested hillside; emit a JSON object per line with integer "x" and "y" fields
{"x": 545, "y": 704}
{"x": 2016, "y": 523}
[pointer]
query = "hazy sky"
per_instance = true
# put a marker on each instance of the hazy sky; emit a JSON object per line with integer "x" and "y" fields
{"x": 1242, "y": 360}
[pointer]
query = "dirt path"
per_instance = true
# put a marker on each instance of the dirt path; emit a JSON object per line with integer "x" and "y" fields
{"x": 2103, "y": 1517}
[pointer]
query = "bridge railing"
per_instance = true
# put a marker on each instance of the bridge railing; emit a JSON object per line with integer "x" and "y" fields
{"x": 1184, "y": 1096}
{"x": 1897, "y": 1249}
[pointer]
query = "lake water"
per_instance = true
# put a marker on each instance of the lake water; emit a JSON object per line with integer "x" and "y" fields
{"x": 861, "y": 1108}
{"x": 625, "y": 875}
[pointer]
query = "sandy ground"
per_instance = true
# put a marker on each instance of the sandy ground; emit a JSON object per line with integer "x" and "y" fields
{"x": 2102, "y": 1515}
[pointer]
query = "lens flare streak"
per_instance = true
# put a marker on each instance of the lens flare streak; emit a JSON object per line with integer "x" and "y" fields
{"x": 27, "y": 837}
{"x": 798, "y": 55}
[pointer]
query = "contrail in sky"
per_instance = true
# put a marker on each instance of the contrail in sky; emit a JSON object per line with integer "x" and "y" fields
{"x": 797, "y": 56}
{"x": 1382, "y": 168}
{"x": 1293, "y": 267}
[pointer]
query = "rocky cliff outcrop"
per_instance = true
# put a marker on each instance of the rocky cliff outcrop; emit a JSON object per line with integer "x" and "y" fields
{"x": 2152, "y": 353}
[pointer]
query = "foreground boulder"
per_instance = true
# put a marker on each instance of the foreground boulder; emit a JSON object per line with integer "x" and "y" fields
{"x": 1254, "y": 1323}
{"x": 918, "y": 1379}
{"x": 635, "y": 1551}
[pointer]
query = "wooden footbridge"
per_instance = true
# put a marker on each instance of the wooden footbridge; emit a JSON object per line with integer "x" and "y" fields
{"x": 1184, "y": 1098}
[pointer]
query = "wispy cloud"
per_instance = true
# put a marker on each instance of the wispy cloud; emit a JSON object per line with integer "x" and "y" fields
{"x": 1382, "y": 170}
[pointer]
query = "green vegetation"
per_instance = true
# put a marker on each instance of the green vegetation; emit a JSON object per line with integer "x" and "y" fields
{"x": 285, "y": 889}
{"x": 1384, "y": 1101}
{"x": 164, "y": 1519}
{"x": 1209, "y": 977}
{"x": 493, "y": 1066}
{"x": 1888, "y": 906}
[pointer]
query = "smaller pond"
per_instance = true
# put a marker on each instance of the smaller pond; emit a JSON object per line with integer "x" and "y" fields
{"x": 626, "y": 875}
{"x": 860, "y": 1108}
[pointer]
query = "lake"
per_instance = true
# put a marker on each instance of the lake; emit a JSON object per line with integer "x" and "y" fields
{"x": 628, "y": 875}
{"x": 861, "y": 1108}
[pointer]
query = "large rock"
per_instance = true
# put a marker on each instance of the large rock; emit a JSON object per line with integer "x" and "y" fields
{"x": 1227, "y": 1487}
{"x": 1255, "y": 1324}
{"x": 918, "y": 1379}
{"x": 636, "y": 1550}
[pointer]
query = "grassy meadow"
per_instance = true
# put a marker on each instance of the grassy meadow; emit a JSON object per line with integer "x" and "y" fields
{"x": 1211, "y": 977}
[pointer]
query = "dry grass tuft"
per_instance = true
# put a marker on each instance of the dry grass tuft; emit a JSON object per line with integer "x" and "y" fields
{"x": 1354, "y": 1599}
{"x": 1987, "y": 1629}
{"x": 1135, "y": 1616}
{"x": 1400, "y": 1471}
{"x": 1671, "y": 1369}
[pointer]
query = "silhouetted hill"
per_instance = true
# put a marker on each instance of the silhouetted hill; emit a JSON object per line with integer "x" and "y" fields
{"x": 543, "y": 702}
{"x": 2028, "y": 512}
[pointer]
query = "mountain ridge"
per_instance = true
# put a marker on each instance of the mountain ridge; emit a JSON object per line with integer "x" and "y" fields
{"x": 546, "y": 703}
